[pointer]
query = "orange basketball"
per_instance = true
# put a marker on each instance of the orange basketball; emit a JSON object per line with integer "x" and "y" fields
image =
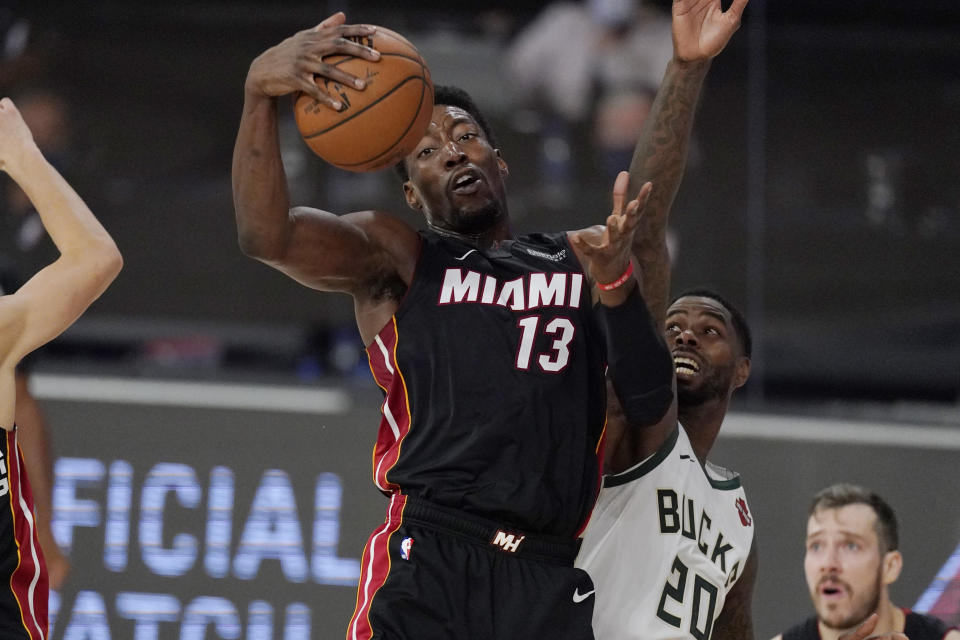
{"x": 380, "y": 124}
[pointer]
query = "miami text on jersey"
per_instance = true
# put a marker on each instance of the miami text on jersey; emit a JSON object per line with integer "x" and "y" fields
{"x": 530, "y": 292}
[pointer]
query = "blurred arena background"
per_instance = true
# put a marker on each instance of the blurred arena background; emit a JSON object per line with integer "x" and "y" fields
{"x": 212, "y": 419}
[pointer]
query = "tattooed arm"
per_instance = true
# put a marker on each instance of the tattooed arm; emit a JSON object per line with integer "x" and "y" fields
{"x": 660, "y": 158}
{"x": 700, "y": 31}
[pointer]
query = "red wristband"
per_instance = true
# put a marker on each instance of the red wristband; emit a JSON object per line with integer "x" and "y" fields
{"x": 619, "y": 281}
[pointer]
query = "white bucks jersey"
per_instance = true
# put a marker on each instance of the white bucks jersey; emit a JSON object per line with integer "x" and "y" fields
{"x": 667, "y": 540}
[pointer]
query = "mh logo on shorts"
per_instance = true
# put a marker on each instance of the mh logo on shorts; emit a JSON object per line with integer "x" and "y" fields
{"x": 507, "y": 541}
{"x": 405, "y": 546}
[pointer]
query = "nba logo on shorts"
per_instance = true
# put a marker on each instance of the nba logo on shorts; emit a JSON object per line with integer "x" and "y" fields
{"x": 405, "y": 545}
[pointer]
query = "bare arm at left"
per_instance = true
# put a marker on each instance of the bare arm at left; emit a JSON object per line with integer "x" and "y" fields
{"x": 53, "y": 298}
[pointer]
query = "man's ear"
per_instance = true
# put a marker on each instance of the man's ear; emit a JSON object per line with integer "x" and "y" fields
{"x": 742, "y": 372}
{"x": 502, "y": 164}
{"x": 410, "y": 194}
{"x": 892, "y": 564}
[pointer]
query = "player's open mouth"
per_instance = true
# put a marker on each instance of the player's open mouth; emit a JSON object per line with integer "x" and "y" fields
{"x": 832, "y": 590}
{"x": 685, "y": 367}
{"x": 466, "y": 182}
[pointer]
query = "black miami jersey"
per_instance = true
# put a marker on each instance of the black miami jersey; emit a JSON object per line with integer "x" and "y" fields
{"x": 24, "y": 594}
{"x": 493, "y": 375}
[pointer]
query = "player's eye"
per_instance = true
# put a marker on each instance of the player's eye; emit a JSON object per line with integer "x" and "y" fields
{"x": 423, "y": 153}
{"x": 673, "y": 328}
{"x": 851, "y": 546}
{"x": 468, "y": 136}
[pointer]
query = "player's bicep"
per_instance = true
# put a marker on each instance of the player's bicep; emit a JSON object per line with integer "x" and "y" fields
{"x": 735, "y": 622}
{"x": 342, "y": 253}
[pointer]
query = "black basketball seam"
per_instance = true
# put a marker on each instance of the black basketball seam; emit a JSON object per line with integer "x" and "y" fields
{"x": 346, "y": 57}
{"x": 423, "y": 86}
{"x": 365, "y": 109}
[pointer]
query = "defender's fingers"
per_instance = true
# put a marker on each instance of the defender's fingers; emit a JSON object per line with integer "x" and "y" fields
{"x": 620, "y": 191}
{"x": 636, "y": 206}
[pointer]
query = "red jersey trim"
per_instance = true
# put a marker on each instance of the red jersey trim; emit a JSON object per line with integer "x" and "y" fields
{"x": 375, "y": 569}
{"x": 395, "y": 425}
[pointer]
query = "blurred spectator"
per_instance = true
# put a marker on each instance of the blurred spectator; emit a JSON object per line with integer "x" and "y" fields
{"x": 593, "y": 64}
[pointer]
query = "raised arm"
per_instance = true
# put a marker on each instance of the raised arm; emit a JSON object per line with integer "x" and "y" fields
{"x": 701, "y": 29}
{"x": 319, "y": 249}
{"x": 89, "y": 260}
{"x": 641, "y": 369}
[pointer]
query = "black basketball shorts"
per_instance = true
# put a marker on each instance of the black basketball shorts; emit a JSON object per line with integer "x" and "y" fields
{"x": 431, "y": 573}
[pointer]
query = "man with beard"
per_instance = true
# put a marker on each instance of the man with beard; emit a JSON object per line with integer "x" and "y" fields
{"x": 490, "y": 352}
{"x": 851, "y": 560}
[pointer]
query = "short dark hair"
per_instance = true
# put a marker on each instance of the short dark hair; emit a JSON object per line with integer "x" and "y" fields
{"x": 843, "y": 494}
{"x": 455, "y": 97}
{"x": 736, "y": 316}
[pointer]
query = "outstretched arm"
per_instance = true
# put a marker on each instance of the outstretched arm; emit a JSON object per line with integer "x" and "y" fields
{"x": 701, "y": 29}
{"x": 640, "y": 366}
{"x": 89, "y": 260}
{"x": 316, "y": 248}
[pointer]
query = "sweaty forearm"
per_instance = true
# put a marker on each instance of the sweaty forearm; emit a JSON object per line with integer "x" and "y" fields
{"x": 260, "y": 195}
{"x": 640, "y": 365}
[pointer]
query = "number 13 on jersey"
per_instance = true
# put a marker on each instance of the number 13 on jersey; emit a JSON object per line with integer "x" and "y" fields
{"x": 558, "y": 357}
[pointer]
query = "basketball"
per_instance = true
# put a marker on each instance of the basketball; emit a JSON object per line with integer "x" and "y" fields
{"x": 380, "y": 124}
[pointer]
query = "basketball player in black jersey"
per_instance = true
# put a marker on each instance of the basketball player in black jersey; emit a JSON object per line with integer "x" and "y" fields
{"x": 490, "y": 354}
{"x": 851, "y": 560}
{"x": 38, "y": 312}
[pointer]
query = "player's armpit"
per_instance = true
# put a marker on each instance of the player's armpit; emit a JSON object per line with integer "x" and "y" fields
{"x": 736, "y": 620}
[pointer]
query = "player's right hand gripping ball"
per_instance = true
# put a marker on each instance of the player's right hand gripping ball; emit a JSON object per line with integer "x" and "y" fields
{"x": 380, "y": 124}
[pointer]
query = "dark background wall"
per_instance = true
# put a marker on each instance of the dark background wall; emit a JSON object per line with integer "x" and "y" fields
{"x": 850, "y": 279}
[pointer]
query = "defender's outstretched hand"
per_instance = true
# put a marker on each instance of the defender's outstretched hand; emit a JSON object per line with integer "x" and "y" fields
{"x": 607, "y": 249}
{"x": 292, "y": 65}
{"x": 701, "y": 28}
